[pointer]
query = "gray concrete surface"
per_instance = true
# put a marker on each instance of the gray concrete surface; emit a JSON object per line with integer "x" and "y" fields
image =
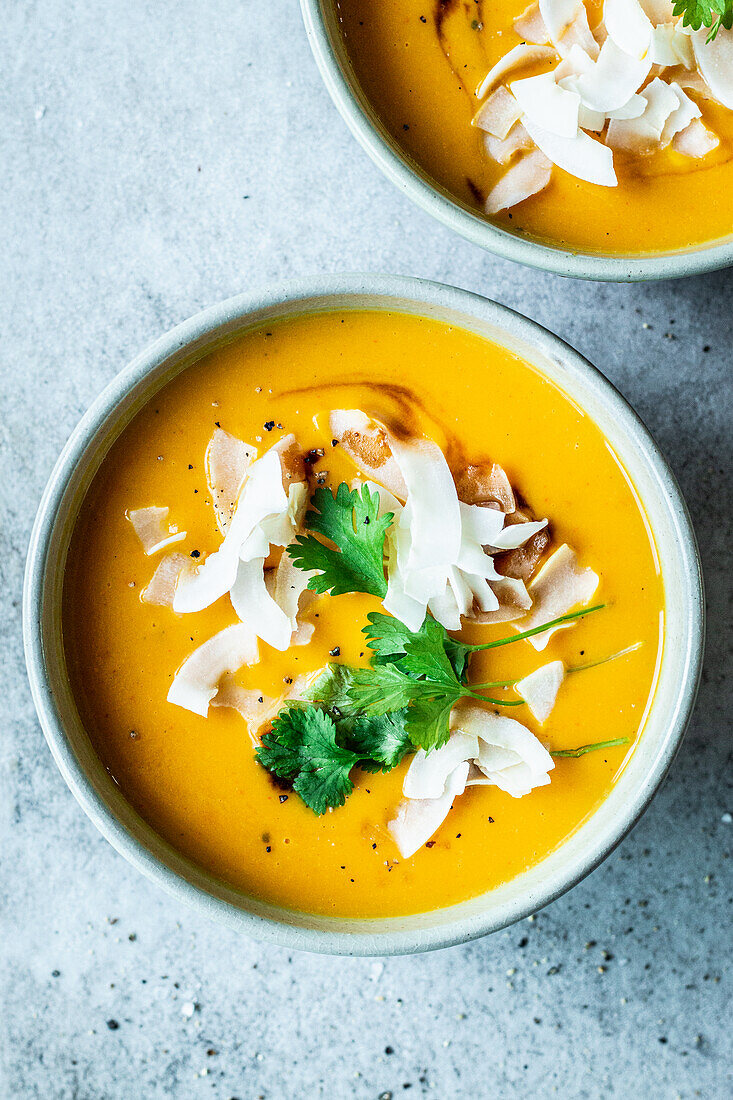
{"x": 157, "y": 157}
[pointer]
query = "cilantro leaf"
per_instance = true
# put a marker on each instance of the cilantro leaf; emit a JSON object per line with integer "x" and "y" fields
{"x": 382, "y": 689}
{"x": 331, "y": 689}
{"x": 428, "y": 721}
{"x": 705, "y": 13}
{"x": 425, "y": 655}
{"x": 302, "y": 746}
{"x": 388, "y": 640}
{"x": 379, "y": 740}
{"x": 351, "y": 520}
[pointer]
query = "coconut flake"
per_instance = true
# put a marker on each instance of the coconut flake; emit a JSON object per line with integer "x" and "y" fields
{"x": 226, "y": 462}
{"x": 514, "y": 601}
{"x": 152, "y": 528}
{"x": 658, "y": 11}
{"x": 257, "y": 710}
{"x": 288, "y": 587}
{"x": 681, "y": 117}
{"x": 530, "y": 26}
{"x": 197, "y": 680}
{"x": 502, "y": 150}
{"x": 417, "y": 819}
{"x": 559, "y": 587}
{"x": 526, "y": 178}
{"x": 695, "y": 140}
{"x": 613, "y": 80}
{"x": 539, "y": 689}
{"x": 578, "y": 35}
{"x": 581, "y": 156}
{"x": 557, "y": 15}
{"x": 523, "y": 54}
{"x": 516, "y": 535}
{"x": 161, "y": 587}
{"x": 669, "y": 46}
{"x": 715, "y": 62}
{"x": 644, "y": 134}
{"x": 498, "y": 113}
{"x": 428, "y": 773}
{"x": 628, "y": 26}
{"x": 510, "y": 756}
{"x": 256, "y": 608}
{"x": 262, "y": 496}
{"x": 365, "y": 442}
{"x": 547, "y": 104}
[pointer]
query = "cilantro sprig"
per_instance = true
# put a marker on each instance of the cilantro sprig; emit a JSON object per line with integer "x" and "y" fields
{"x": 350, "y": 519}
{"x": 370, "y": 718}
{"x": 705, "y": 13}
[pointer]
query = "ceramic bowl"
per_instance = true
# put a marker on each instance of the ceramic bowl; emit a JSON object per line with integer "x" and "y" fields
{"x": 321, "y": 23}
{"x": 102, "y": 799}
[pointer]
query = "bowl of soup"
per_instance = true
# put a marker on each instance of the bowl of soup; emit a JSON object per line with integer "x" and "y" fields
{"x": 348, "y": 613}
{"x": 586, "y": 139}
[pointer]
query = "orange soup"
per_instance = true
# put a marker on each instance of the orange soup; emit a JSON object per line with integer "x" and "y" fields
{"x": 436, "y": 399}
{"x": 421, "y": 63}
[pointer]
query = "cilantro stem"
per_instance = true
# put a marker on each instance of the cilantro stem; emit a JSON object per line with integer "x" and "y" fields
{"x": 605, "y": 660}
{"x": 583, "y": 749}
{"x": 537, "y": 629}
{"x": 496, "y": 702}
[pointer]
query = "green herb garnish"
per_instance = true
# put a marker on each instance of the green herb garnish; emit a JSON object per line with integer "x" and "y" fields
{"x": 590, "y": 748}
{"x": 705, "y": 13}
{"x": 351, "y": 520}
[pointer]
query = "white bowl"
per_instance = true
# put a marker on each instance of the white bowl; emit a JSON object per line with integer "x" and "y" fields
{"x": 326, "y": 40}
{"x": 102, "y": 799}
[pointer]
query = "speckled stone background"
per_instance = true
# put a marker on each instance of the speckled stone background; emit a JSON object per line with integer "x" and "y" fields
{"x": 159, "y": 156}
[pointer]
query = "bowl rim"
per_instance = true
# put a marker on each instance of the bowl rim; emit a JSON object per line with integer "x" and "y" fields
{"x": 417, "y": 186}
{"x": 232, "y": 316}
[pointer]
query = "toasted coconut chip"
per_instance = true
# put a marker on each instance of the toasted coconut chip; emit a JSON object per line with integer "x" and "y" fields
{"x": 486, "y": 483}
{"x": 526, "y": 178}
{"x": 613, "y": 80}
{"x": 498, "y": 113}
{"x": 480, "y": 523}
{"x": 547, "y": 104}
{"x": 258, "y": 710}
{"x": 681, "y": 117}
{"x": 428, "y": 773}
{"x": 161, "y": 588}
{"x": 288, "y": 586}
{"x": 226, "y": 462}
{"x": 539, "y": 689}
{"x": 715, "y": 62}
{"x": 514, "y": 602}
{"x": 659, "y": 11}
{"x": 151, "y": 527}
{"x": 417, "y": 819}
{"x": 523, "y": 54}
{"x": 292, "y": 460}
{"x": 578, "y": 34}
{"x": 559, "y": 587}
{"x": 517, "y": 534}
{"x": 671, "y": 47}
{"x": 521, "y": 563}
{"x": 695, "y": 140}
{"x": 197, "y": 680}
{"x": 366, "y": 443}
{"x": 530, "y": 26}
{"x": 504, "y": 150}
{"x": 581, "y": 156}
{"x": 262, "y": 496}
{"x": 628, "y": 26}
{"x": 510, "y": 756}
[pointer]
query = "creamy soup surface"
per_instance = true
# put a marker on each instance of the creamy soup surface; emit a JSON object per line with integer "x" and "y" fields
{"x": 420, "y": 63}
{"x": 196, "y": 779}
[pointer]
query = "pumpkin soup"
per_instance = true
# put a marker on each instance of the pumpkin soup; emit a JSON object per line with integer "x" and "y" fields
{"x": 601, "y": 127}
{"x": 362, "y": 614}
